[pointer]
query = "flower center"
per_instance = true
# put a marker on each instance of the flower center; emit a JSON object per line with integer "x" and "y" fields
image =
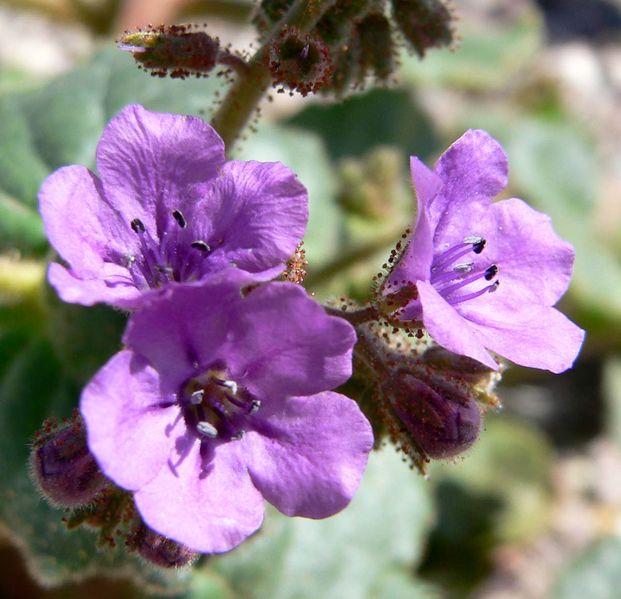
{"x": 172, "y": 257}
{"x": 457, "y": 278}
{"x": 215, "y": 406}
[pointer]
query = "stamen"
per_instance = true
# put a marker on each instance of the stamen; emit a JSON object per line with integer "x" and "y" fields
{"x": 255, "y": 406}
{"x": 462, "y": 298}
{"x": 137, "y": 226}
{"x": 455, "y": 272}
{"x": 178, "y": 216}
{"x": 491, "y": 272}
{"x": 478, "y": 247}
{"x": 197, "y": 397}
{"x": 230, "y": 385}
{"x": 201, "y": 246}
{"x": 207, "y": 429}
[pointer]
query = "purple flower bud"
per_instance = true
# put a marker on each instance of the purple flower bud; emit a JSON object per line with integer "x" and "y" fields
{"x": 65, "y": 469}
{"x": 159, "y": 550}
{"x": 439, "y": 422}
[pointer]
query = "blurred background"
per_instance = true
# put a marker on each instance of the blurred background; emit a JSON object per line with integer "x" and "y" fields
{"x": 534, "y": 510}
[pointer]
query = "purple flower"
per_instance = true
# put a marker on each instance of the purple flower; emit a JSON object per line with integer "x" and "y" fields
{"x": 222, "y": 399}
{"x": 487, "y": 275}
{"x": 166, "y": 207}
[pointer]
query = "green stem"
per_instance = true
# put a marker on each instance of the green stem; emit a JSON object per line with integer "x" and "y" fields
{"x": 245, "y": 94}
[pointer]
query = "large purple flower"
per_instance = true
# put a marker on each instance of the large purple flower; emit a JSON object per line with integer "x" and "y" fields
{"x": 487, "y": 275}
{"x": 222, "y": 400}
{"x": 166, "y": 207}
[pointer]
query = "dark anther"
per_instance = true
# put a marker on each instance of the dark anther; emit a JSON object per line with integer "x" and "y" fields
{"x": 178, "y": 216}
{"x": 477, "y": 248}
{"x": 200, "y": 245}
{"x": 494, "y": 286}
{"x": 137, "y": 226}
{"x": 491, "y": 272}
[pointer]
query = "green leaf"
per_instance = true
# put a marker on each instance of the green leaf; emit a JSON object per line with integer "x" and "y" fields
{"x": 363, "y": 552}
{"x": 595, "y": 573}
{"x": 378, "y": 117}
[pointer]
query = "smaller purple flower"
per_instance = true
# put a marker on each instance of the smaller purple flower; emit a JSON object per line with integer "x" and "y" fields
{"x": 222, "y": 400}
{"x": 486, "y": 275}
{"x": 166, "y": 208}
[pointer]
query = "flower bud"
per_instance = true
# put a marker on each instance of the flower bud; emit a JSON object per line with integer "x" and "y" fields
{"x": 300, "y": 61}
{"x": 178, "y": 51}
{"x": 159, "y": 550}
{"x": 440, "y": 422}
{"x": 378, "y": 51}
{"x": 424, "y": 23}
{"x": 64, "y": 468}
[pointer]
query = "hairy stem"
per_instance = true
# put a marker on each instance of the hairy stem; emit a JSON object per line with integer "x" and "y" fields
{"x": 245, "y": 94}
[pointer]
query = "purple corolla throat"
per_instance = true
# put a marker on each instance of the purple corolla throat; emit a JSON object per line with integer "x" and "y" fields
{"x": 162, "y": 261}
{"x": 449, "y": 276}
{"x": 216, "y": 406}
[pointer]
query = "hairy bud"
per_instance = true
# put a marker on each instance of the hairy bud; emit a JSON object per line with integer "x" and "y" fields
{"x": 178, "y": 51}
{"x": 64, "y": 468}
{"x": 441, "y": 422}
{"x": 159, "y": 550}
{"x": 424, "y": 24}
{"x": 377, "y": 48}
{"x": 300, "y": 61}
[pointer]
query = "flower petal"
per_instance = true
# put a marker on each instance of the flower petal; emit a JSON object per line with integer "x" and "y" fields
{"x": 308, "y": 459}
{"x": 153, "y": 163}
{"x": 129, "y": 429}
{"x": 416, "y": 261}
{"x": 253, "y": 216}
{"x": 534, "y": 263}
{"x": 283, "y": 343}
{"x": 530, "y": 335}
{"x": 474, "y": 170}
{"x": 449, "y": 329}
{"x": 185, "y": 326}
{"x": 83, "y": 228}
{"x": 211, "y": 510}
{"x": 92, "y": 291}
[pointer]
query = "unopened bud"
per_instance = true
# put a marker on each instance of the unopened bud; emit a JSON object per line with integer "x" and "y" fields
{"x": 178, "y": 51}
{"x": 159, "y": 550}
{"x": 300, "y": 61}
{"x": 64, "y": 468}
{"x": 424, "y": 23}
{"x": 377, "y": 46}
{"x": 439, "y": 422}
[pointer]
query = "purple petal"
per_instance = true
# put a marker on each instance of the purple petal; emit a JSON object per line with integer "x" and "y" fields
{"x": 308, "y": 459}
{"x": 254, "y": 216}
{"x": 153, "y": 163}
{"x": 185, "y": 326}
{"x": 534, "y": 263}
{"x": 211, "y": 510}
{"x": 474, "y": 170}
{"x": 83, "y": 228}
{"x": 449, "y": 329}
{"x": 283, "y": 343}
{"x": 530, "y": 335}
{"x": 92, "y": 291}
{"x": 416, "y": 261}
{"x": 129, "y": 431}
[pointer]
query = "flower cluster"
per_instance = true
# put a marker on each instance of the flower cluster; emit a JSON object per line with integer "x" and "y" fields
{"x": 223, "y": 393}
{"x": 222, "y": 396}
